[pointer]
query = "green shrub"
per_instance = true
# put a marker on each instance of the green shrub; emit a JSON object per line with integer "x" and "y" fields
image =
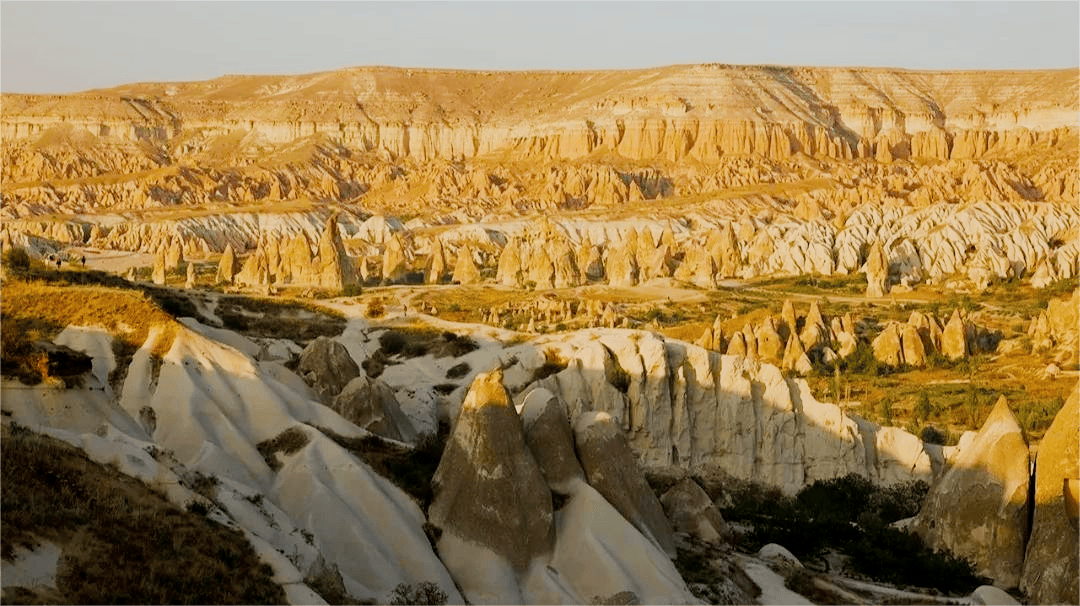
{"x": 16, "y": 258}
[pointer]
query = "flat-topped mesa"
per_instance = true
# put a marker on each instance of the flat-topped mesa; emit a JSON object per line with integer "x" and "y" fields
{"x": 697, "y": 112}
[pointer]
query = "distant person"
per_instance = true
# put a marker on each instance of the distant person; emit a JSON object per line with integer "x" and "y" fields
{"x": 84, "y": 260}
{"x": 58, "y": 263}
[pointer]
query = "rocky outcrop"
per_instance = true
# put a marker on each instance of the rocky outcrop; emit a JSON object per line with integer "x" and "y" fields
{"x": 692, "y": 511}
{"x": 491, "y": 500}
{"x": 551, "y": 440}
{"x": 465, "y": 271}
{"x": 979, "y": 508}
{"x": 227, "y": 265}
{"x": 1051, "y": 570}
{"x": 327, "y": 367}
{"x": 954, "y": 340}
{"x": 611, "y": 468}
{"x": 371, "y": 405}
{"x": 679, "y": 404}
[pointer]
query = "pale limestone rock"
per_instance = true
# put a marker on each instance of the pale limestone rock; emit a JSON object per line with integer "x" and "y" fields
{"x": 788, "y": 320}
{"x": 954, "y": 339}
{"x": 564, "y": 264}
{"x": 887, "y": 345}
{"x": 914, "y": 353}
{"x": 541, "y": 271}
{"x": 394, "y": 261}
{"x": 769, "y": 346}
{"x": 227, "y": 265}
{"x": 737, "y": 345}
{"x": 612, "y": 470}
{"x": 159, "y": 268}
{"x": 1051, "y": 569}
{"x": 979, "y": 507}
{"x": 877, "y": 271}
{"x": 621, "y": 268}
{"x": 465, "y": 271}
{"x": 795, "y": 357}
{"x": 296, "y": 261}
{"x": 174, "y": 255}
{"x": 190, "y": 281}
{"x": 334, "y": 268}
{"x": 436, "y": 269}
{"x": 509, "y": 272}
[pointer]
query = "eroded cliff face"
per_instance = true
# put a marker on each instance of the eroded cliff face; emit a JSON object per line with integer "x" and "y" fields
{"x": 513, "y": 141}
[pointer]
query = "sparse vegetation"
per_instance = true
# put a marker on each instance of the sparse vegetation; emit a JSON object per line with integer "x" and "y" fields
{"x": 412, "y": 342}
{"x": 410, "y": 469}
{"x": 124, "y": 542}
{"x": 287, "y": 442}
{"x": 424, "y": 593}
{"x": 851, "y": 515}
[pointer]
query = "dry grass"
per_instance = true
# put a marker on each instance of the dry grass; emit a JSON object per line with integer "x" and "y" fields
{"x": 122, "y": 542}
{"x": 33, "y": 311}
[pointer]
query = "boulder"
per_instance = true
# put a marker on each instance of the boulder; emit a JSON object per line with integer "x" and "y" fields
{"x": 371, "y": 404}
{"x": 887, "y": 345}
{"x": 692, "y": 511}
{"x": 612, "y": 469}
{"x": 327, "y": 367}
{"x": 979, "y": 507}
{"x": 1051, "y": 566}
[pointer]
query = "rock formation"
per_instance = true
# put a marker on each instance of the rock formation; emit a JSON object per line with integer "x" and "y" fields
{"x": 551, "y": 440}
{"x": 227, "y": 265}
{"x": 490, "y": 495}
{"x": 371, "y": 404}
{"x": 692, "y": 511}
{"x": 327, "y": 366}
{"x": 1051, "y": 570}
{"x": 465, "y": 271}
{"x": 611, "y": 468}
{"x": 979, "y": 507}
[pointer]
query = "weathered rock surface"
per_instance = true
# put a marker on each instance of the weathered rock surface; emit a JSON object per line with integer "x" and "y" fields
{"x": 551, "y": 440}
{"x": 1051, "y": 570}
{"x": 371, "y": 404}
{"x": 612, "y": 469}
{"x": 491, "y": 500}
{"x": 979, "y": 507}
{"x": 327, "y": 367}
{"x": 683, "y": 405}
{"x": 692, "y": 511}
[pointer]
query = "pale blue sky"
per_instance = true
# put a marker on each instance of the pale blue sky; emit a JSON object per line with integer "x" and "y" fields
{"x": 70, "y": 46}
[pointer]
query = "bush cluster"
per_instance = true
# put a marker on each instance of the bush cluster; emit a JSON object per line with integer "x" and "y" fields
{"x": 851, "y": 515}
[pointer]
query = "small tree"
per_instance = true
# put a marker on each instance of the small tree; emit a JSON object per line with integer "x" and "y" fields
{"x": 424, "y": 593}
{"x": 16, "y": 258}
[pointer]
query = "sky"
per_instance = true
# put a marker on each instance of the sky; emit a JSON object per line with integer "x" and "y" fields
{"x": 48, "y": 47}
